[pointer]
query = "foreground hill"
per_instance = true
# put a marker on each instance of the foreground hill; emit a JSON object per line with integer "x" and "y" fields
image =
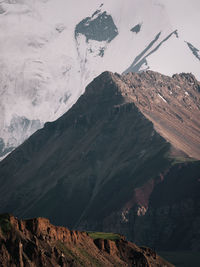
{"x": 106, "y": 164}
{"x": 36, "y": 242}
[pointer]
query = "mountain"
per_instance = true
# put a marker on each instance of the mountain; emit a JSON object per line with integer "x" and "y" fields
{"x": 124, "y": 158}
{"x": 44, "y": 70}
{"x": 36, "y": 242}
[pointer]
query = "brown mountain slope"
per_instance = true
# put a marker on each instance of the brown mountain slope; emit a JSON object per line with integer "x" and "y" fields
{"x": 172, "y": 104}
{"x": 104, "y": 164}
{"x": 36, "y": 242}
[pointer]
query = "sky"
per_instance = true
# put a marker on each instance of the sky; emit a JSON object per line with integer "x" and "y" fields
{"x": 185, "y": 15}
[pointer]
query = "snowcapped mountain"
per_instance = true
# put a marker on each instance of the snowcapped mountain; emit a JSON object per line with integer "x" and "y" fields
{"x": 51, "y": 49}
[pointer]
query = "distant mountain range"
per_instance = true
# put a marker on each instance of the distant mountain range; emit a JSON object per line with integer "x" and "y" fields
{"x": 124, "y": 158}
{"x": 50, "y": 51}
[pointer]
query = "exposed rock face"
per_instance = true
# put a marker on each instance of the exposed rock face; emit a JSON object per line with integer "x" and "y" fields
{"x": 36, "y": 242}
{"x": 172, "y": 104}
{"x": 104, "y": 163}
{"x": 99, "y": 27}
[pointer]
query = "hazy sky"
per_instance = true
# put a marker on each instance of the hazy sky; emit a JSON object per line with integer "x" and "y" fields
{"x": 185, "y": 15}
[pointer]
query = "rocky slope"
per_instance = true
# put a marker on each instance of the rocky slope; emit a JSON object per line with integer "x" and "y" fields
{"x": 172, "y": 104}
{"x": 104, "y": 163}
{"x": 45, "y": 70}
{"x": 36, "y": 242}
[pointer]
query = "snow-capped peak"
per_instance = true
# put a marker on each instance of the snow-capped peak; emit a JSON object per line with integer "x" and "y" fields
{"x": 50, "y": 50}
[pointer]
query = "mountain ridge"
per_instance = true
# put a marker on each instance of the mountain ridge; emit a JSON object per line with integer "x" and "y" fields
{"x": 105, "y": 150}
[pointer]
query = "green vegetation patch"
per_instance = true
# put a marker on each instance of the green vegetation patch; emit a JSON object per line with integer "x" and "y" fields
{"x": 89, "y": 257}
{"x": 108, "y": 236}
{"x": 68, "y": 253}
{"x": 5, "y": 223}
{"x": 179, "y": 160}
{"x": 80, "y": 255}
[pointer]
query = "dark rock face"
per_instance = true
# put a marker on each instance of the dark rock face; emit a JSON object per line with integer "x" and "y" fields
{"x": 104, "y": 163}
{"x": 36, "y": 242}
{"x": 136, "y": 28}
{"x": 194, "y": 50}
{"x": 99, "y": 27}
{"x": 141, "y": 61}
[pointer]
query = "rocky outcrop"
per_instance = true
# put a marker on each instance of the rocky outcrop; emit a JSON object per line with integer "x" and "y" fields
{"x": 36, "y": 242}
{"x": 107, "y": 164}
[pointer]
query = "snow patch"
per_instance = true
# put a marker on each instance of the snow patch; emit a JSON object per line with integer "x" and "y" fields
{"x": 186, "y": 93}
{"x": 162, "y": 98}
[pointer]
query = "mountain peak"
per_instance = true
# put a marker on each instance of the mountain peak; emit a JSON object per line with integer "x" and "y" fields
{"x": 106, "y": 77}
{"x": 162, "y": 99}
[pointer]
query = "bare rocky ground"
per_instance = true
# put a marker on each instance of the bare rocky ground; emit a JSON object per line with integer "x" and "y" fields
{"x": 171, "y": 103}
